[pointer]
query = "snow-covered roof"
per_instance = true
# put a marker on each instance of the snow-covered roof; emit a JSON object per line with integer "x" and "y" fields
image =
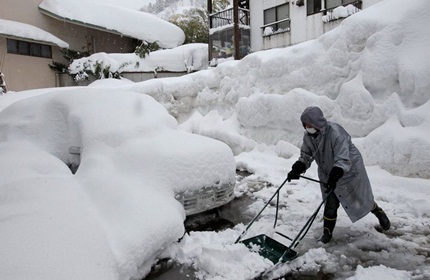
{"x": 27, "y": 32}
{"x": 115, "y": 19}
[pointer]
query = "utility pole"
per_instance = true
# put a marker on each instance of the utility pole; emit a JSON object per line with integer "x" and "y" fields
{"x": 210, "y": 26}
{"x": 236, "y": 29}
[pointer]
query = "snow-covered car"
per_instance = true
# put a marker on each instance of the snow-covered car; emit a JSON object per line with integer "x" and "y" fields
{"x": 91, "y": 177}
{"x": 191, "y": 165}
{"x": 80, "y": 124}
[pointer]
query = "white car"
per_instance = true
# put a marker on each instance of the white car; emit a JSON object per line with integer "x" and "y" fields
{"x": 91, "y": 178}
{"x": 191, "y": 167}
{"x": 96, "y": 132}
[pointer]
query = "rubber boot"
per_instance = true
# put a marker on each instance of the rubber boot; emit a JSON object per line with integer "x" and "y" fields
{"x": 384, "y": 222}
{"x": 328, "y": 230}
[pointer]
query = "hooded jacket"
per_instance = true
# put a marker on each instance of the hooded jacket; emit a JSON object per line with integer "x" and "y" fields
{"x": 331, "y": 146}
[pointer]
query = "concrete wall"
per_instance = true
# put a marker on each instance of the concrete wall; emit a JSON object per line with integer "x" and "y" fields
{"x": 27, "y": 72}
{"x": 144, "y": 76}
{"x": 277, "y": 41}
{"x": 66, "y": 80}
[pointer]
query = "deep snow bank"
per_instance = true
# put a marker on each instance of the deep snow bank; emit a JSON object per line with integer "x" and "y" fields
{"x": 369, "y": 70}
{"x": 114, "y": 217}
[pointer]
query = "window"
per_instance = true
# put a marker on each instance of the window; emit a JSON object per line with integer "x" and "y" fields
{"x": 276, "y": 19}
{"x": 330, "y": 4}
{"x": 46, "y": 51}
{"x": 313, "y": 6}
{"x": 27, "y": 48}
{"x": 35, "y": 50}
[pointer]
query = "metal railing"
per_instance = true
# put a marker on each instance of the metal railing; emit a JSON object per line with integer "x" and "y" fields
{"x": 356, "y": 3}
{"x": 226, "y": 17}
{"x": 276, "y": 27}
{"x": 328, "y": 13}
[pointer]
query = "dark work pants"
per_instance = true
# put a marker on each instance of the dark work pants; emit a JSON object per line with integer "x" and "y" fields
{"x": 331, "y": 206}
{"x": 330, "y": 213}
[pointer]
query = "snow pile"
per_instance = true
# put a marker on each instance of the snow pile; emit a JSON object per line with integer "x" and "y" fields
{"x": 379, "y": 273}
{"x": 185, "y": 58}
{"x": 357, "y": 251}
{"x": 371, "y": 70}
{"x": 219, "y": 258}
{"x": 116, "y": 215}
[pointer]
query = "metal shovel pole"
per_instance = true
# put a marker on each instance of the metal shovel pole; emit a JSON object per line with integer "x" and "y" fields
{"x": 255, "y": 218}
{"x": 308, "y": 224}
{"x": 310, "y": 179}
{"x": 302, "y": 233}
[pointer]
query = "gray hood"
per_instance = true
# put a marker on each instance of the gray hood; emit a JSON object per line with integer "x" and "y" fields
{"x": 314, "y": 116}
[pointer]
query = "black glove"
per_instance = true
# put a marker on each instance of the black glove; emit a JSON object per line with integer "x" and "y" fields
{"x": 297, "y": 169}
{"x": 335, "y": 174}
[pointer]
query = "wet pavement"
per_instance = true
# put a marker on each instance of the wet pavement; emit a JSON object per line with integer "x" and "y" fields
{"x": 222, "y": 218}
{"x": 169, "y": 270}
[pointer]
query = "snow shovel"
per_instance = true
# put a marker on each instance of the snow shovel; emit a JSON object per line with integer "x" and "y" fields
{"x": 268, "y": 247}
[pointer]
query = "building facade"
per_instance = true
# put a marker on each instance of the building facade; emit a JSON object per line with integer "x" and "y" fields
{"x": 24, "y": 61}
{"x": 278, "y": 23}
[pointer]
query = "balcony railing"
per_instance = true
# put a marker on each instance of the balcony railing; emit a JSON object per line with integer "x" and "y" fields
{"x": 276, "y": 27}
{"x": 329, "y": 15}
{"x": 226, "y": 17}
{"x": 332, "y": 4}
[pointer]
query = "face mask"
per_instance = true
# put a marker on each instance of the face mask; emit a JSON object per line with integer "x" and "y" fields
{"x": 311, "y": 130}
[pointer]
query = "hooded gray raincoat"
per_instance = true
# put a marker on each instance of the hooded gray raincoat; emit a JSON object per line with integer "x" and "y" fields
{"x": 332, "y": 146}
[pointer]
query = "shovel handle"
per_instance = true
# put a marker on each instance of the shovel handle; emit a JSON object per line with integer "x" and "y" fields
{"x": 258, "y": 215}
{"x": 311, "y": 179}
{"x": 309, "y": 223}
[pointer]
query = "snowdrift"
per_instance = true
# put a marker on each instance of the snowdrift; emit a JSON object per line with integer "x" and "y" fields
{"x": 369, "y": 71}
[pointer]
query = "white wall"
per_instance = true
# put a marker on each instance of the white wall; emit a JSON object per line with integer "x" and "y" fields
{"x": 314, "y": 26}
{"x": 258, "y": 42}
{"x": 303, "y": 27}
{"x": 276, "y": 41}
{"x": 367, "y": 3}
{"x": 257, "y": 20}
{"x": 298, "y": 21}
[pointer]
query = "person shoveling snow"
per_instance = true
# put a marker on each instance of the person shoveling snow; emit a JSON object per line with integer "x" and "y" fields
{"x": 340, "y": 164}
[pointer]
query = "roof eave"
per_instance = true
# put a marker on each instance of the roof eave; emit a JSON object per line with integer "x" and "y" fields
{"x": 80, "y": 23}
{"x": 20, "y": 38}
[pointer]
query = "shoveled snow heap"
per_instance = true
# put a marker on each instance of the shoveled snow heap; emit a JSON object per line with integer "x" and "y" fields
{"x": 370, "y": 75}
